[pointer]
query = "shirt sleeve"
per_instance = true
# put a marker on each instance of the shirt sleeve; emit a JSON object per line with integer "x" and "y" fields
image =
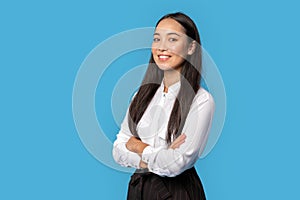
{"x": 172, "y": 162}
{"x": 121, "y": 154}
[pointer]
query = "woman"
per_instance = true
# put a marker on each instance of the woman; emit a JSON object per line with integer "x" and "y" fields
{"x": 166, "y": 126}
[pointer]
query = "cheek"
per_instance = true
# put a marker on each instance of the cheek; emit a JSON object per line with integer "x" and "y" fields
{"x": 154, "y": 54}
{"x": 179, "y": 50}
{"x": 153, "y": 49}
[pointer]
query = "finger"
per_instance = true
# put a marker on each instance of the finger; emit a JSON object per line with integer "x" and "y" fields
{"x": 179, "y": 139}
{"x": 183, "y": 135}
{"x": 177, "y": 145}
{"x": 174, "y": 144}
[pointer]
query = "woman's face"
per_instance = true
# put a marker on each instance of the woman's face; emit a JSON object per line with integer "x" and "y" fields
{"x": 170, "y": 45}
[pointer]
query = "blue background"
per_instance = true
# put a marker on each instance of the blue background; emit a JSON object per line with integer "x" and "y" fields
{"x": 254, "y": 43}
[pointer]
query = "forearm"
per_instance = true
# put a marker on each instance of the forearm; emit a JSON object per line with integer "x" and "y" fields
{"x": 136, "y": 145}
{"x": 124, "y": 157}
{"x": 168, "y": 162}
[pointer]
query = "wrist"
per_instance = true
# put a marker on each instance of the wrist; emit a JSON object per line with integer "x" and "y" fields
{"x": 140, "y": 147}
{"x": 143, "y": 165}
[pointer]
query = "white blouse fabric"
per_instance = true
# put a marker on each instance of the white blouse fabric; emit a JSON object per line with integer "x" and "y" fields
{"x": 152, "y": 130}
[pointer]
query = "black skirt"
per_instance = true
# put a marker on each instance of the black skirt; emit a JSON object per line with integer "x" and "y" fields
{"x": 149, "y": 186}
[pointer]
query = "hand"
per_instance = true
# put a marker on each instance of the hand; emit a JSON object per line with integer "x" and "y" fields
{"x": 135, "y": 145}
{"x": 143, "y": 164}
{"x": 178, "y": 142}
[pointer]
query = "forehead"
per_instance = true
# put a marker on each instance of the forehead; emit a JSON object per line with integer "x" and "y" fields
{"x": 169, "y": 25}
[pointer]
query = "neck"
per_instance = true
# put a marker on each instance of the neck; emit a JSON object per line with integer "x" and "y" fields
{"x": 171, "y": 77}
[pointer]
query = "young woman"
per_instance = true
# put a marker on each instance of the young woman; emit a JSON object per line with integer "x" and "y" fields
{"x": 167, "y": 124}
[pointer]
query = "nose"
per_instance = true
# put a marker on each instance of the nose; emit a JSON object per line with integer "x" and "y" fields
{"x": 162, "y": 46}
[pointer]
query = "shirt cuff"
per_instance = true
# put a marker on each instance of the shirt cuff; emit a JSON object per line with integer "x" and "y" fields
{"x": 148, "y": 153}
{"x": 128, "y": 158}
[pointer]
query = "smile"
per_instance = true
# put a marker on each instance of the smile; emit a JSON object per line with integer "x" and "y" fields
{"x": 163, "y": 57}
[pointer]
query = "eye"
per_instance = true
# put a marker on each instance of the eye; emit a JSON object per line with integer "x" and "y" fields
{"x": 156, "y": 39}
{"x": 172, "y": 39}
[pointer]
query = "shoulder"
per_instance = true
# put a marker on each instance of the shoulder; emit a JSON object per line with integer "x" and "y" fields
{"x": 203, "y": 97}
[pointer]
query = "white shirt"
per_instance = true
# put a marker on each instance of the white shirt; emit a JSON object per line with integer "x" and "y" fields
{"x": 152, "y": 130}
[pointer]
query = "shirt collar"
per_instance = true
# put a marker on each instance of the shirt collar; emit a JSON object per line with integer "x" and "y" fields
{"x": 172, "y": 90}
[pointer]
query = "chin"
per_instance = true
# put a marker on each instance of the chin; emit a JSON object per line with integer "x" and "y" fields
{"x": 164, "y": 68}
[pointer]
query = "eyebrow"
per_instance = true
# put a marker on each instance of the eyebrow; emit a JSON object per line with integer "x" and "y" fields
{"x": 171, "y": 33}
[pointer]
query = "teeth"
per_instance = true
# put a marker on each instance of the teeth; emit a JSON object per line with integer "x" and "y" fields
{"x": 163, "y": 56}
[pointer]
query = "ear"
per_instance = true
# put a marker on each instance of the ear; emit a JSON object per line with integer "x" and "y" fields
{"x": 192, "y": 47}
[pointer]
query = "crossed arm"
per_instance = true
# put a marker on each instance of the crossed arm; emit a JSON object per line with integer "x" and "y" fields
{"x": 170, "y": 161}
{"x": 137, "y": 146}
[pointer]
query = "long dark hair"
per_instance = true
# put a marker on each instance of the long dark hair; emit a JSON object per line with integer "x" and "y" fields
{"x": 190, "y": 83}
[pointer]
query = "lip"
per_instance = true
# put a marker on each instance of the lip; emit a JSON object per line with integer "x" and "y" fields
{"x": 163, "y": 57}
